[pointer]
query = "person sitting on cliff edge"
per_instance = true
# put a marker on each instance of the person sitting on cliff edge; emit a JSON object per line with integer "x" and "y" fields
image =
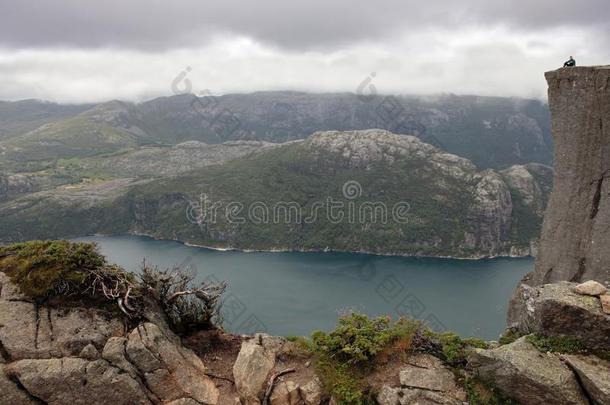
{"x": 570, "y": 63}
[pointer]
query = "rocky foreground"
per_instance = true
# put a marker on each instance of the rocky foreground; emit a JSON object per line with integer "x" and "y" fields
{"x": 84, "y": 354}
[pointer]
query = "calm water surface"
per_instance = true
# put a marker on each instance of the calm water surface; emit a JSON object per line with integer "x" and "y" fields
{"x": 297, "y": 293}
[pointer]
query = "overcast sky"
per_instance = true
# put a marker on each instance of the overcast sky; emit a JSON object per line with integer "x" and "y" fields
{"x": 82, "y": 50}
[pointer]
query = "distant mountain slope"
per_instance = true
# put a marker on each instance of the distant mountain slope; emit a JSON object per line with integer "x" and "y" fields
{"x": 436, "y": 204}
{"x": 492, "y": 132}
{"x": 106, "y": 128}
{"x": 19, "y": 117}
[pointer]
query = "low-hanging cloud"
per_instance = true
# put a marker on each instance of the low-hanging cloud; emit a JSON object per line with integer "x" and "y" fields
{"x": 300, "y": 25}
{"x": 75, "y": 51}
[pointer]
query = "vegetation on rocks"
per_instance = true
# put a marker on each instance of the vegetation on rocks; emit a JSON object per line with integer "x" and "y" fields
{"x": 347, "y": 355}
{"x": 45, "y": 270}
{"x": 560, "y": 344}
{"x": 482, "y": 393}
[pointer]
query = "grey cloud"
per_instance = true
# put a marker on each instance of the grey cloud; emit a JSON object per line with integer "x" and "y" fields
{"x": 298, "y": 25}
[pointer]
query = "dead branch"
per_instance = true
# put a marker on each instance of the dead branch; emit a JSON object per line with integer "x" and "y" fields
{"x": 271, "y": 383}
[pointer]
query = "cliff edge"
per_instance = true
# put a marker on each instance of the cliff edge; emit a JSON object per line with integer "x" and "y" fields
{"x": 575, "y": 240}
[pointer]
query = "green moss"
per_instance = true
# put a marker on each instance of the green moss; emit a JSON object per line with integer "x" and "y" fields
{"x": 560, "y": 344}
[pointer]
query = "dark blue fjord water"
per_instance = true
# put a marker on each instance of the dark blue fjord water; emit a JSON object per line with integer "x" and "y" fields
{"x": 297, "y": 293}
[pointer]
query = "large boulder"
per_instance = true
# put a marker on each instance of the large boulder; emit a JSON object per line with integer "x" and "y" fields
{"x": 253, "y": 366}
{"x": 591, "y": 287}
{"x": 521, "y": 372}
{"x": 594, "y": 375}
{"x": 557, "y": 310}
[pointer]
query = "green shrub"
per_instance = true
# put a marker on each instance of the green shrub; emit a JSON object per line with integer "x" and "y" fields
{"x": 359, "y": 338}
{"x": 46, "y": 268}
{"x": 560, "y": 344}
{"x": 345, "y": 354}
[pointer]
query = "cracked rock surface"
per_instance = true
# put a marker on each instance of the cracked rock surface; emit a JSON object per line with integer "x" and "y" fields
{"x": 78, "y": 355}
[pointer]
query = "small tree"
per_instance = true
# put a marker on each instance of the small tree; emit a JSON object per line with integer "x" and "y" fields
{"x": 188, "y": 306}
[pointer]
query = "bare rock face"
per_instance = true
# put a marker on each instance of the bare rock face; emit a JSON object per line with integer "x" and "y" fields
{"x": 30, "y": 331}
{"x": 14, "y": 184}
{"x": 75, "y": 381}
{"x": 557, "y": 310}
{"x": 522, "y": 372}
{"x": 169, "y": 370}
{"x": 491, "y": 213}
{"x": 576, "y": 231}
{"x": 594, "y": 374}
{"x": 81, "y": 355}
{"x": 254, "y": 363}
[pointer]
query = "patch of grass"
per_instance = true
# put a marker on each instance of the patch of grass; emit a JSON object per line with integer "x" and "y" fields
{"x": 559, "y": 344}
{"x": 482, "y": 393}
{"x": 508, "y": 337}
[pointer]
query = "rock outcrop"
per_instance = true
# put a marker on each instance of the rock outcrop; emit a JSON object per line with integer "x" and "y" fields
{"x": 557, "y": 310}
{"x": 14, "y": 184}
{"x": 78, "y": 354}
{"x": 576, "y": 231}
{"x": 594, "y": 375}
{"x": 525, "y": 374}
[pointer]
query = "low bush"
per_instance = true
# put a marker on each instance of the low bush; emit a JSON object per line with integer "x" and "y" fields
{"x": 345, "y": 354}
{"x": 560, "y": 344}
{"x": 359, "y": 338}
{"x": 45, "y": 270}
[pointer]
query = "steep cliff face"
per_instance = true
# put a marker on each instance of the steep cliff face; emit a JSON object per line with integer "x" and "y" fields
{"x": 575, "y": 242}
